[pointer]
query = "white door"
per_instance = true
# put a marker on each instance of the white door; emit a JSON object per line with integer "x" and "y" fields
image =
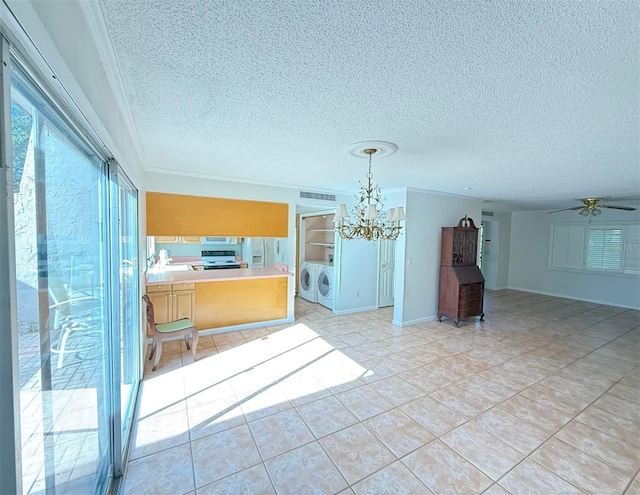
{"x": 490, "y": 253}
{"x": 386, "y": 272}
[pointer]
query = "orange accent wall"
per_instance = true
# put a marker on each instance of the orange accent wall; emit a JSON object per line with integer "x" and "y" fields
{"x": 234, "y": 302}
{"x": 178, "y": 214}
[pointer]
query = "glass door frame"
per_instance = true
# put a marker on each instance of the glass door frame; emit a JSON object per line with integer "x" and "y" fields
{"x": 10, "y": 466}
{"x": 10, "y": 434}
{"x": 120, "y": 444}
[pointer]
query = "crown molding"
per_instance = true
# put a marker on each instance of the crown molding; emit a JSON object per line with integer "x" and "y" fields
{"x": 98, "y": 28}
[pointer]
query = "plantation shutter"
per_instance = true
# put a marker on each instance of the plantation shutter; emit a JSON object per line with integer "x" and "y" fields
{"x": 632, "y": 250}
{"x": 568, "y": 246}
{"x": 604, "y": 249}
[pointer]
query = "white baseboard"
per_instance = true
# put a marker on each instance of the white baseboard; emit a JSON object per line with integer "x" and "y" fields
{"x": 246, "y": 326}
{"x": 426, "y": 319}
{"x": 565, "y": 296}
{"x": 354, "y": 310}
{"x": 233, "y": 328}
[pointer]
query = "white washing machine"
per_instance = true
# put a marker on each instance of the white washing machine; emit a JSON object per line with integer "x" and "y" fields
{"x": 307, "y": 285}
{"x": 325, "y": 286}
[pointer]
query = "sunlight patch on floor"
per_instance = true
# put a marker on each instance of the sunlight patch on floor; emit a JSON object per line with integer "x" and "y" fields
{"x": 253, "y": 380}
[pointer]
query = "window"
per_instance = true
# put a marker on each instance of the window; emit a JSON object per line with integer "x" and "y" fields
{"x": 595, "y": 248}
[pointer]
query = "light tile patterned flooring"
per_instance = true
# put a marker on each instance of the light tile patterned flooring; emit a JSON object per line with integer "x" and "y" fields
{"x": 541, "y": 398}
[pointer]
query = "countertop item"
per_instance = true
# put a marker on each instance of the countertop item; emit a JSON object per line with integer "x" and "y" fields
{"x": 195, "y": 276}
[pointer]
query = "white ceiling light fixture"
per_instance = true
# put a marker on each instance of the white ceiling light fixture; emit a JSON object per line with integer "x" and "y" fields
{"x": 367, "y": 222}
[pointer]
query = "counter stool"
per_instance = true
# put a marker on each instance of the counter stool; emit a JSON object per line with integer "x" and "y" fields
{"x": 169, "y": 330}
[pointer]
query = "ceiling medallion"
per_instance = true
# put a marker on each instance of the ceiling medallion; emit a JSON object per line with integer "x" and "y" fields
{"x": 383, "y": 149}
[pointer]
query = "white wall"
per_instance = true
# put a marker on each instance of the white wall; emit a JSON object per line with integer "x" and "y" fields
{"x": 428, "y": 212}
{"x": 357, "y": 265}
{"x": 357, "y": 276}
{"x": 504, "y": 246}
{"x": 528, "y": 267}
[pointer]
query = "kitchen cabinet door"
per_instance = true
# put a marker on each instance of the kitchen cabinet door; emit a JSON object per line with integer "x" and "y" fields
{"x": 162, "y": 305}
{"x": 172, "y": 302}
{"x": 184, "y": 302}
{"x": 167, "y": 239}
{"x": 175, "y": 239}
{"x": 191, "y": 239}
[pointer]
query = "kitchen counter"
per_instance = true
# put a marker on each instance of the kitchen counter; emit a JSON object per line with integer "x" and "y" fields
{"x": 222, "y": 298}
{"x": 198, "y": 276}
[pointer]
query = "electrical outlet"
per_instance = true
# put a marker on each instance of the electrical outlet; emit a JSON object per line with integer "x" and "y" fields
{"x": 409, "y": 261}
{"x": 357, "y": 293}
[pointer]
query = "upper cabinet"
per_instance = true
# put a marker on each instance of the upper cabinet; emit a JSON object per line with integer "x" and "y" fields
{"x": 173, "y": 239}
{"x": 182, "y": 215}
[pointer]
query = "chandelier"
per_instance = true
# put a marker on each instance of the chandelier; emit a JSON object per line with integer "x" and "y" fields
{"x": 367, "y": 222}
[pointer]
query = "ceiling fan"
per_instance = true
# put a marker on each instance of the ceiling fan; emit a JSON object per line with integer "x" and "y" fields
{"x": 592, "y": 207}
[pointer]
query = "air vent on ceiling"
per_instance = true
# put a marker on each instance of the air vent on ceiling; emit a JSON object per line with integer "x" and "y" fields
{"x": 487, "y": 213}
{"x": 312, "y": 195}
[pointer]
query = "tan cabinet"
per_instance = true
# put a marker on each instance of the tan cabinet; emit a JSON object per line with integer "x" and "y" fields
{"x": 174, "y": 239}
{"x": 181, "y": 215}
{"x": 172, "y": 301}
{"x": 191, "y": 239}
{"x": 238, "y": 302}
{"x": 167, "y": 239}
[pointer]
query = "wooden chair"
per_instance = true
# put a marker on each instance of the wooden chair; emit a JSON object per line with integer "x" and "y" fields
{"x": 169, "y": 330}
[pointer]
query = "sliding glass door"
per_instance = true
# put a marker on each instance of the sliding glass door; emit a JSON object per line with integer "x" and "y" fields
{"x": 59, "y": 187}
{"x": 77, "y": 304}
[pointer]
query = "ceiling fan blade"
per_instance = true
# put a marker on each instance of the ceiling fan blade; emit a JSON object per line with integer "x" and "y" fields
{"x": 626, "y": 208}
{"x": 567, "y": 209}
{"x": 624, "y": 198}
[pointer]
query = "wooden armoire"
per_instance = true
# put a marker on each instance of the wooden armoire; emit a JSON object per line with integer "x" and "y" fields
{"x": 461, "y": 288}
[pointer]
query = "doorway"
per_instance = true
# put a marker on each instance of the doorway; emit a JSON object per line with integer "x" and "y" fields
{"x": 386, "y": 272}
{"x": 490, "y": 249}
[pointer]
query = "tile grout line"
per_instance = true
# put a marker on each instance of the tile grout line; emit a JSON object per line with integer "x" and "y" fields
{"x": 442, "y": 358}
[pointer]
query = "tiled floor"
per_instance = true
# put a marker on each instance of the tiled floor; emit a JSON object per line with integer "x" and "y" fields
{"x": 59, "y": 433}
{"x": 541, "y": 398}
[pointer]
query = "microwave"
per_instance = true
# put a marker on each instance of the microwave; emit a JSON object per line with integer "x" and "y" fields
{"x": 219, "y": 240}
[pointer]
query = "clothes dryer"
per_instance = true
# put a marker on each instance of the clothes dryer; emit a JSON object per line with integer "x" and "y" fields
{"x": 308, "y": 281}
{"x": 325, "y": 286}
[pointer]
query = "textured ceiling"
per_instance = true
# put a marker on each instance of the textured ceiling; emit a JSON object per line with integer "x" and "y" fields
{"x": 531, "y": 103}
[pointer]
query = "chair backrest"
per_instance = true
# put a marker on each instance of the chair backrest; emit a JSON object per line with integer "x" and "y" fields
{"x": 150, "y": 315}
{"x": 58, "y": 292}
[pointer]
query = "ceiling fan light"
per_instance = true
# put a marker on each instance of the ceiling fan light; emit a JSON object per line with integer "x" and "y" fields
{"x": 596, "y": 212}
{"x": 584, "y": 212}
